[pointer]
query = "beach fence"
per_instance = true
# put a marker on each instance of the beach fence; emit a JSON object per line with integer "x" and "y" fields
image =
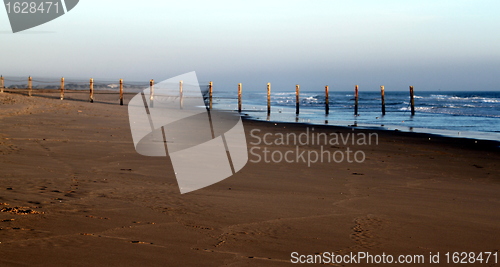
{"x": 67, "y": 87}
{"x": 327, "y": 99}
{"x": 109, "y": 87}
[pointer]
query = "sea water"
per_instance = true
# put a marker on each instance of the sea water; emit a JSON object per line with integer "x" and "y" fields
{"x": 468, "y": 114}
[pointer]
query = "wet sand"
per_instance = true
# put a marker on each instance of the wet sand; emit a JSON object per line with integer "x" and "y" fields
{"x": 74, "y": 192}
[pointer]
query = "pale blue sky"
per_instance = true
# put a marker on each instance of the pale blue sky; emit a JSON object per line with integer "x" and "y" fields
{"x": 433, "y": 45}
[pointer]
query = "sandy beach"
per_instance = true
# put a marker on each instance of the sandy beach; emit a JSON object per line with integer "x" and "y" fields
{"x": 74, "y": 192}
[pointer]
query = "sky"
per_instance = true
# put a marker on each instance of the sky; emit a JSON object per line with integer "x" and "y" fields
{"x": 432, "y": 45}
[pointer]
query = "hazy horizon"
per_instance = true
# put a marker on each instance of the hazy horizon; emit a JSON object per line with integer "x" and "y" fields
{"x": 445, "y": 45}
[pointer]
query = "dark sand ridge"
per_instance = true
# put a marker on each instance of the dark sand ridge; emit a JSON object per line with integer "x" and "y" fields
{"x": 75, "y": 193}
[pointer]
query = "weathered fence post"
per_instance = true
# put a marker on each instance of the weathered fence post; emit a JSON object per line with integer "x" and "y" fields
{"x": 382, "y": 93}
{"x": 62, "y": 88}
{"x": 268, "y": 98}
{"x": 91, "y": 85}
{"x": 2, "y": 84}
{"x": 297, "y": 99}
{"x": 181, "y": 95}
{"x": 30, "y": 85}
{"x": 412, "y": 101}
{"x": 239, "y": 97}
{"x": 151, "y": 92}
{"x": 210, "y": 91}
{"x": 356, "y": 99}
{"x": 327, "y": 100}
{"x": 121, "y": 92}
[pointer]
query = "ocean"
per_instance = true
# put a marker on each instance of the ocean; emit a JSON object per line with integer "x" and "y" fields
{"x": 467, "y": 114}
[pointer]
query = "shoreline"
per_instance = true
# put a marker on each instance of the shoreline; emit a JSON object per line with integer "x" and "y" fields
{"x": 463, "y": 142}
{"x": 486, "y": 136}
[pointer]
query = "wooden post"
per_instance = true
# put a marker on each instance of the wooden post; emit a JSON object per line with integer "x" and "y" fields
{"x": 121, "y": 92}
{"x": 151, "y": 92}
{"x": 30, "y": 85}
{"x": 297, "y": 99}
{"x": 181, "y": 94}
{"x": 2, "y": 84}
{"x": 412, "y": 101}
{"x": 62, "y": 88}
{"x": 356, "y": 99}
{"x": 239, "y": 97}
{"x": 382, "y": 93}
{"x": 91, "y": 85}
{"x": 268, "y": 98}
{"x": 327, "y": 101}
{"x": 210, "y": 91}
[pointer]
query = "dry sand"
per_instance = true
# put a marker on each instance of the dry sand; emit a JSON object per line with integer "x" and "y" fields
{"x": 74, "y": 192}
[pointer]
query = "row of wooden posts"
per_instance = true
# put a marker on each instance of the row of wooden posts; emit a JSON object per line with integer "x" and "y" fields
{"x": 327, "y": 100}
{"x": 61, "y": 87}
{"x": 240, "y": 88}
